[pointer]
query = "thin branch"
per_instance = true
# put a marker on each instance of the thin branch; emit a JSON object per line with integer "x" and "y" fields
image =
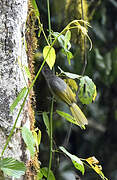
{"x": 85, "y": 52}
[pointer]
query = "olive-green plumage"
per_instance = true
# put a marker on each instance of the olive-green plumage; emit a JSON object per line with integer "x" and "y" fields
{"x": 61, "y": 90}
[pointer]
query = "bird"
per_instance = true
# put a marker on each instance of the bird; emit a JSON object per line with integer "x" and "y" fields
{"x": 62, "y": 91}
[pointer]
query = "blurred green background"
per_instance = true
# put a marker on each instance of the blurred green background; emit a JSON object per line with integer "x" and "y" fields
{"x": 100, "y": 137}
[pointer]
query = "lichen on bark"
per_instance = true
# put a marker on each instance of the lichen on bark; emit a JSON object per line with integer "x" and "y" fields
{"x": 13, "y": 16}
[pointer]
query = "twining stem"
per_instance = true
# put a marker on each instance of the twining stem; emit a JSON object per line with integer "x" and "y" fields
{"x": 51, "y": 138}
{"x": 49, "y": 22}
{"x": 45, "y": 37}
{"x": 85, "y": 52}
{"x": 51, "y": 111}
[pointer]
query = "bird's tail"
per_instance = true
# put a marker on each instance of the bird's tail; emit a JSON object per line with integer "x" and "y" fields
{"x": 78, "y": 115}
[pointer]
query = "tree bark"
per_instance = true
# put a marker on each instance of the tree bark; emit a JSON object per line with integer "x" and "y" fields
{"x": 13, "y": 14}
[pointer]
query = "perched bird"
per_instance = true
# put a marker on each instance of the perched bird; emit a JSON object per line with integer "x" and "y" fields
{"x": 62, "y": 91}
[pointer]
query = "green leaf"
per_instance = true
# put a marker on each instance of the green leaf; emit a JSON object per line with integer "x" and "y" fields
{"x": 69, "y": 57}
{"x": 39, "y": 175}
{"x": 64, "y": 150}
{"x": 78, "y": 164}
{"x": 67, "y": 116}
{"x": 87, "y": 90}
{"x": 29, "y": 140}
{"x": 50, "y": 55}
{"x": 27, "y": 72}
{"x": 67, "y": 38}
{"x": 35, "y": 8}
{"x": 70, "y": 75}
{"x": 44, "y": 171}
{"x": 55, "y": 34}
{"x": 75, "y": 160}
{"x": 46, "y": 122}
{"x": 18, "y": 99}
{"x": 12, "y": 167}
{"x": 63, "y": 41}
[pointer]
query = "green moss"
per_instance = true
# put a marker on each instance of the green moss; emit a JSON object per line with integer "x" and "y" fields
{"x": 73, "y": 10}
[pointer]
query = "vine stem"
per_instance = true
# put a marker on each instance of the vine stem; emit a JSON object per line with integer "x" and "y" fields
{"x": 49, "y": 22}
{"x": 85, "y": 52}
{"x": 51, "y": 138}
{"x": 51, "y": 111}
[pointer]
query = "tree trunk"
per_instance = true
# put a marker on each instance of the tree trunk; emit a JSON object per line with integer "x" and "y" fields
{"x": 13, "y": 14}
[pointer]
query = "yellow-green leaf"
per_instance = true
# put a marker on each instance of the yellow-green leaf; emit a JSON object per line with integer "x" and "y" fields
{"x": 94, "y": 163}
{"x": 95, "y": 93}
{"x": 50, "y": 55}
{"x": 18, "y": 99}
{"x": 39, "y": 137}
{"x": 35, "y": 138}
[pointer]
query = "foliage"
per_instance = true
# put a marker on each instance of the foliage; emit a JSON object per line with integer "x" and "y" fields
{"x": 87, "y": 92}
{"x": 86, "y": 88}
{"x": 29, "y": 140}
{"x": 12, "y": 167}
{"x": 76, "y": 161}
{"x": 51, "y": 56}
{"x": 18, "y": 99}
{"x": 94, "y": 163}
{"x": 37, "y": 138}
{"x": 44, "y": 172}
{"x": 67, "y": 116}
{"x": 46, "y": 122}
